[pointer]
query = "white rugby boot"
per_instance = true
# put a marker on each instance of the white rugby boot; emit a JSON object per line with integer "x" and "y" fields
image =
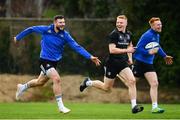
{"x": 64, "y": 110}
{"x": 19, "y": 91}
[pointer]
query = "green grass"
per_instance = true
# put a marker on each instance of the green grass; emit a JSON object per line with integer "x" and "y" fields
{"x": 48, "y": 110}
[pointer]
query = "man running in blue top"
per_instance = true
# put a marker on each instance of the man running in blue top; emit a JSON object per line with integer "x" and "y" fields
{"x": 54, "y": 37}
{"x": 147, "y": 47}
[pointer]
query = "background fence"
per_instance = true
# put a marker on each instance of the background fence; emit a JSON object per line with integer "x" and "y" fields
{"x": 90, "y": 33}
{"x": 23, "y": 58}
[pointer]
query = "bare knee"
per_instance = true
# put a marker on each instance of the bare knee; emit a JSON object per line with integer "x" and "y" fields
{"x": 131, "y": 82}
{"x": 56, "y": 80}
{"x": 107, "y": 88}
{"x": 154, "y": 84}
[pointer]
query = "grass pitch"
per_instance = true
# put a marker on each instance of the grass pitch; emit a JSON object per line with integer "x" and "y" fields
{"x": 47, "y": 110}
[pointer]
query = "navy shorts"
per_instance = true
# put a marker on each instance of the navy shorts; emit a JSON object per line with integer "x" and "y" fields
{"x": 47, "y": 64}
{"x": 113, "y": 67}
{"x": 140, "y": 68}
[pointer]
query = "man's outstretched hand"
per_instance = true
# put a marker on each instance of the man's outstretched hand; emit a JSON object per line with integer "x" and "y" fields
{"x": 168, "y": 59}
{"x": 16, "y": 42}
{"x": 95, "y": 60}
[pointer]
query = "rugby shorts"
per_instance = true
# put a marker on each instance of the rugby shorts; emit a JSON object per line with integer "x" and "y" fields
{"x": 45, "y": 65}
{"x": 140, "y": 68}
{"x": 114, "y": 67}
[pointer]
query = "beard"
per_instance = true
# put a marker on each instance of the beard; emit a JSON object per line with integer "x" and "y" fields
{"x": 60, "y": 28}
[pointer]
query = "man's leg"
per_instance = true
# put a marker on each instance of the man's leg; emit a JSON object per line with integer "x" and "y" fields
{"x": 53, "y": 74}
{"x": 128, "y": 79}
{"x": 41, "y": 80}
{"x": 153, "y": 82}
{"x": 105, "y": 86}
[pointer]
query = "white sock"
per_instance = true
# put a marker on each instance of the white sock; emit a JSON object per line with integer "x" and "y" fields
{"x": 59, "y": 102}
{"x": 154, "y": 105}
{"x": 89, "y": 83}
{"x": 133, "y": 103}
{"x": 24, "y": 87}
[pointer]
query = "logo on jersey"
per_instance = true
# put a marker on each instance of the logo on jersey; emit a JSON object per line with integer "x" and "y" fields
{"x": 49, "y": 31}
{"x": 120, "y": 43}
{"x": 120, "y": 37}
{"x": 153, "y": 38}
{"x": 109, "y": 73}
{"x": 61, "y": 35}
{"x": 47, "y": 65}
{"x": 128, "y": 36}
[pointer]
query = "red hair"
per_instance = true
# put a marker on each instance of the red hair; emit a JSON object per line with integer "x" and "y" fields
{"x": 153, "y": 19}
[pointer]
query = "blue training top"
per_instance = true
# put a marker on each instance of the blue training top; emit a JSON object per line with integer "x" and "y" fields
{"x": 142, "y": 52}
{"x": 52, "y": 43}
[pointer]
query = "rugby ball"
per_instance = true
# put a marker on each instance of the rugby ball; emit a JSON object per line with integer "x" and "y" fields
{"x": 152, "y": 45}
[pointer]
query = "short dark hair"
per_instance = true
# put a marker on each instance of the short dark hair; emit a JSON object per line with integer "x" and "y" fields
{"x": 58, "y": 17}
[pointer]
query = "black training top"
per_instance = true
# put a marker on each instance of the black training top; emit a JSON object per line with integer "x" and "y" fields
{"x": 121, "y": 40}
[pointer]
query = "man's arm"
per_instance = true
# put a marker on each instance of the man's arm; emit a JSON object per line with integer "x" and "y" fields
{"x": 79, "y": 49}
{"x": 140, "y": 47}
{"x": 130, "y": 61}
{"x": 114, "y": 50}
{"x": 29, "y": 30}
{"x": 161, "y": 52}
{"x": 168, "y": 59}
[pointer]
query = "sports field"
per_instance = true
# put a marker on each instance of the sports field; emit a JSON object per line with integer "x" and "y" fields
{"x": 47, "y": 110}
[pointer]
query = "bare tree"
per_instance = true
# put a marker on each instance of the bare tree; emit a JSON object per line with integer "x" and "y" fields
{"x": 39, "y": 4}
{"x": 8, "y": 8}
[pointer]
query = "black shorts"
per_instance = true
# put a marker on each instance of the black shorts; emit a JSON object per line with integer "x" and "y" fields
{"x": 47, "y": 64}
{"x": 140, "y": 68}
{"x": 113, "y": 67}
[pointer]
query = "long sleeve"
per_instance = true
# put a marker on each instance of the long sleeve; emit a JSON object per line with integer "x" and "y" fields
{"x": 141, "y": 45}
{"x": 75, "y": 46}
{"x": 29, "y": 30}
{"x": 161, "y": 52}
